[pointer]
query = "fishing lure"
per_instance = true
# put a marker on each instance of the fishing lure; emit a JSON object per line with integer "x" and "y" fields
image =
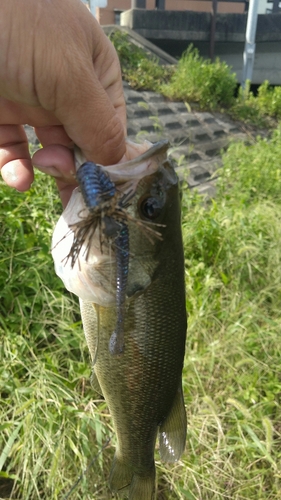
{"x": 106, "y": 211}
{"x": 116, "y": 342}
{"x": 100, "y": 197}
{"x": 95, "y": 185}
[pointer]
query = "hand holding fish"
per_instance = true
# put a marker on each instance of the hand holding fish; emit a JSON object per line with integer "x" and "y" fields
{"x": 60, "y": 74}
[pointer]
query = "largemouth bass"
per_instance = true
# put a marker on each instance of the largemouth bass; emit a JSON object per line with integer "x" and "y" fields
{"x": 142, "y": 384}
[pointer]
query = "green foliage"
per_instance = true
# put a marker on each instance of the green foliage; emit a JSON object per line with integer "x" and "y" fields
{"x": 50, "y": 424}
{"x": 138, "y": 67}
{"x": 196, "y": 79}
{"x": 130, "y": 55}
{"x": 253, "y": 172}
{"x": 258, "y": 110}
{"x": 246, "y": 107}
{"x": 269, "y": 100}
{"x": 233, "y": 278}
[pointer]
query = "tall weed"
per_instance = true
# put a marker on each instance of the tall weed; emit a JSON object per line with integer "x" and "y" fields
{"x": 209, "y": 85}
{"x": 212, "y": 85}
{"x": 50, "y": 425}
{"x": 138, "y": 67}
{"x": 233, "y": 278}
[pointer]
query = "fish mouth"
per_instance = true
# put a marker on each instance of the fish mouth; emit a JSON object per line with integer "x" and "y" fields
{"x": 136, "y": 167}
{"x": 91, "y": 275}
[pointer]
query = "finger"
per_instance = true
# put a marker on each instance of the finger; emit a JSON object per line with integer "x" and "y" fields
{"x": 13, "y": 112}
{"x": 53, "y": 135}
{"x": 65, "y": 191}
{"x": 108, "y": 71}
{"x": 91, "y": 109}
{"x": 15, "y": 163}
{"x": 57, "y": 161}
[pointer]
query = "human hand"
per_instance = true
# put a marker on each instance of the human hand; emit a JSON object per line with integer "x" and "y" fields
{"x": 60, "y": 74}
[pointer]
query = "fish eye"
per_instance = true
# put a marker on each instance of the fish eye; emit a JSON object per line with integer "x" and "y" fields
{"x": 151, "y": 207}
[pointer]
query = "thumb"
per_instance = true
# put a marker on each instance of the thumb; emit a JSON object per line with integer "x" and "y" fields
{"x": 91, "y": 120}
{"x": 93, "y": 123}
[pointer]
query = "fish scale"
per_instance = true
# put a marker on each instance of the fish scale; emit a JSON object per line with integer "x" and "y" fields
{"x": 143, "y": 386}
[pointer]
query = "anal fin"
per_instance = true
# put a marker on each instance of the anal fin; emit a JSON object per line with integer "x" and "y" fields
{"x": 172, "y": 432}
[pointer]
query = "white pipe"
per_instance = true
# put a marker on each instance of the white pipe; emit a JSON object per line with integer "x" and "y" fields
{"x": 250, "y": 46}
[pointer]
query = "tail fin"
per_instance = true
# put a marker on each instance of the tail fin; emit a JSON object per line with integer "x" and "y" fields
{"x": 123, "y": 478}
{"x": 120, "y": 475}
{"x": 143, "y": 487}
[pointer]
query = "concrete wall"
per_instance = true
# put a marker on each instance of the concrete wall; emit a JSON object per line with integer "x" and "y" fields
{"x": 107, "y": 14}
{"x": 173, "y": 32}
{"x": 172, "y": 25}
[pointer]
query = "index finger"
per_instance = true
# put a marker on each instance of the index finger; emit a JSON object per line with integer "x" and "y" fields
{"x": 15, "y": 162}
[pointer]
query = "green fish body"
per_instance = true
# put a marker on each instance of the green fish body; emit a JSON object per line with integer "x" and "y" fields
{"x": 142, "y": 386}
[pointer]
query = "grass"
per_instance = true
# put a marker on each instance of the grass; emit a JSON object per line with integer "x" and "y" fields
{"x": 138, "y": 67}
{"x": 52, "y": 426}
{"x": 232, "y": 371}
{"x": 49, "y": 425}
{"x": 198, "y": 82}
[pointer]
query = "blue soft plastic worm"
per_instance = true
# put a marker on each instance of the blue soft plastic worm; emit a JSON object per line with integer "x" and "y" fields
{"x": 97, "y": 187}
{"x": 116, "y": 343}
{"x": 95, "y": 184}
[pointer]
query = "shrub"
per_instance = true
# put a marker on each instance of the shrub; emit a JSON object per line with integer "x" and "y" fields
{"x": 269, "y": 100}
{"x": 211, "y": 84}
{"x": 256, "y": 170}
{"x": 138, "y": 68}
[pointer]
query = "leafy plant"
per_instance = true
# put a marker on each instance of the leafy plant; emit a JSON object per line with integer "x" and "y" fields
{"x": 50, "y": 424}
{"x": 233, "y": 278}
{"x": 196, "y": 79}
{"x": 138, "y": 67}
{"x": 209, "y": 85}
{"x": 269, "y": 100}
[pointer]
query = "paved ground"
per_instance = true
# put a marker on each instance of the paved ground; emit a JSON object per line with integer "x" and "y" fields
{"x": 196, "y": 138}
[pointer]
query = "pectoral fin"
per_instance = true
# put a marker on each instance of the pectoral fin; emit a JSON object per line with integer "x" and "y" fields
{"x": 90, "y": 325}
{"x": 172, "y": 433}
{"x": 90, "y": 320}
{"x": 95, "y": 383}
{"x": 138, "y": 279}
